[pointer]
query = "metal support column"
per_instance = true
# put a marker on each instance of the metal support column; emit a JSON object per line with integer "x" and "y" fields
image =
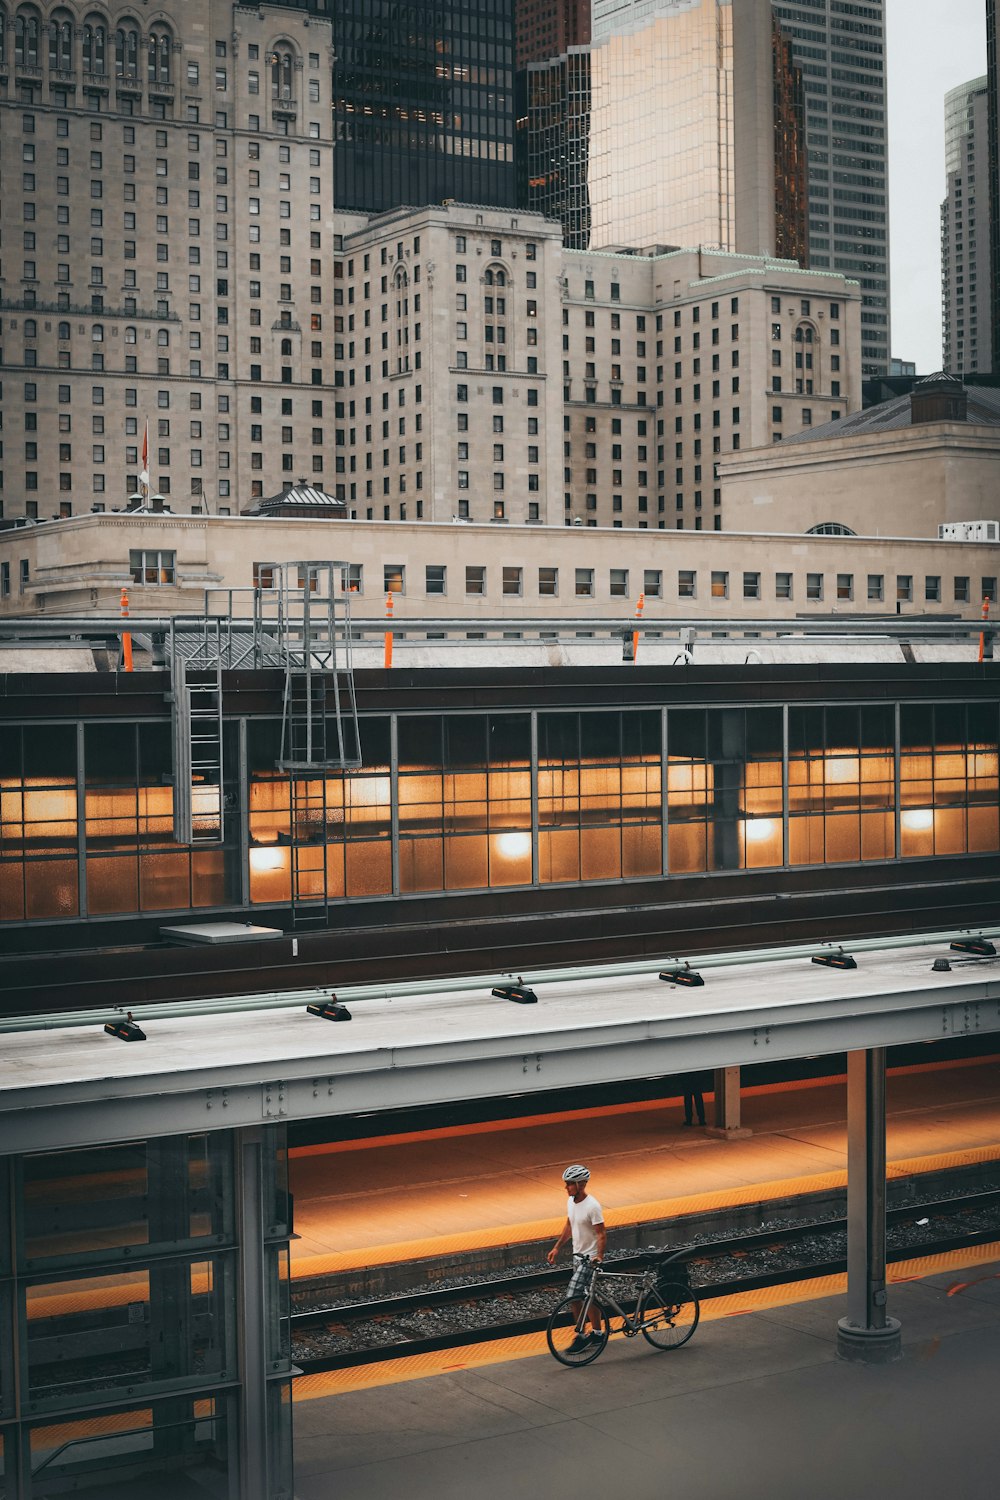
{"x": 726, "y": 1115}
{"x": 867, "y": 1334}
{"x": 254, "y": 1424}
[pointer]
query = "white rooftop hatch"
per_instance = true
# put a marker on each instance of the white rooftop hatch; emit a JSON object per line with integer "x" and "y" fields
{"x": 219, "y": 932}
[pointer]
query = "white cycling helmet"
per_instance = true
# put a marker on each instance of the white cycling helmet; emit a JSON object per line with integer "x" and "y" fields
{"x": 576, "y": 1174}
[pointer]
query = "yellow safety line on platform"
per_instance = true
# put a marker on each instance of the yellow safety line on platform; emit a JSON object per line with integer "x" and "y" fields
{"x": 526, "y": 1346}
{"x": 619, "y": 1218}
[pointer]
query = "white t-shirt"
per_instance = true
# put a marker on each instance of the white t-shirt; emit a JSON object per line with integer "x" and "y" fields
{"x": 583, "y": 1216}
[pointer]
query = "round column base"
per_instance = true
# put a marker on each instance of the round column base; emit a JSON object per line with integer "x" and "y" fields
{"x": 869, "y": 1346}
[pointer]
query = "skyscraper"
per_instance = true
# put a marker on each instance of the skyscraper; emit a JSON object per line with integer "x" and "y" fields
{"x": 993, "y": 79}
{"x": 841, "y": 51}
{"x": 966, "y": 292}
{"x": 696, "y": 127}
{"x": 423, "y": 103}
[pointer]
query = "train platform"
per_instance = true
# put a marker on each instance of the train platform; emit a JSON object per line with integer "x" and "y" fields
{"x": 756, "y": 1407}
{"x": 444, "y": 1192}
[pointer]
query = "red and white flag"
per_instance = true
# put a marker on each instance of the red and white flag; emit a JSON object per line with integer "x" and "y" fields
{"x": 144, "y": 476}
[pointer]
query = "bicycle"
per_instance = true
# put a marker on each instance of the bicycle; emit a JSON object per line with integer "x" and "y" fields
{"x": 666, "y": 1314}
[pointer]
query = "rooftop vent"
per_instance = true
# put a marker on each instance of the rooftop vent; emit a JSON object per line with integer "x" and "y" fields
{"x": 939, "y": 398}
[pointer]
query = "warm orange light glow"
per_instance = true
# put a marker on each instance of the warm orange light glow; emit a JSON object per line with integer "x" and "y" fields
{"x": 757, "y": 830}
{"x": 919, "y": 820}
{"x": 514, "y": 845}
{"x": 268, "y": 858}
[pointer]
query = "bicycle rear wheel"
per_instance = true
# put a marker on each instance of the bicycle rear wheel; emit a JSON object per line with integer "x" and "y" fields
{"x": 566, "y": 1342}
{"x": 669, "y": 1314}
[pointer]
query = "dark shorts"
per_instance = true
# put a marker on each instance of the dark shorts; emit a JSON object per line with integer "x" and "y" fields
{"x": 580, "y": 1279}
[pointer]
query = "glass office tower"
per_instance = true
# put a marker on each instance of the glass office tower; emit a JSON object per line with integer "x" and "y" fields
{"x": 423, "y": 103}
{"x": 841, "y": 51}
{"x": 966, "y": 291}
{"x": 993, "y": 79}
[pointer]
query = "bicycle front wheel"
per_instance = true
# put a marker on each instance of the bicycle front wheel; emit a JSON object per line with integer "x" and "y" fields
{"x": 571, "y": 1336}
{"x": 668, "y": 1315}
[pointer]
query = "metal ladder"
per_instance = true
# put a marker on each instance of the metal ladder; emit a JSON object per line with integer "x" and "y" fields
{"x": 196, "y": 691}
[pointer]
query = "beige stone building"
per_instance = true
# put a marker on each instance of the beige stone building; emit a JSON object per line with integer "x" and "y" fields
{"x": 491, "y": 375}
{"x": 167, "y": 253}
{"x": 477, "y": 572}
{"x": 903, "y": 468}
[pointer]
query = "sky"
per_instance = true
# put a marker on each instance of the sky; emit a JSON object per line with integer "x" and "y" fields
{"x": 932, "y": 47}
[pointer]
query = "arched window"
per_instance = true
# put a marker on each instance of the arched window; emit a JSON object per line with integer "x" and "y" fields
{"x": 26, "y": 31}
{"x": 158, "y": 68}
{"x": 3, "y": 36}
{"x": 286, "y": 348}
{"x": 62, "y": 331}
{"x": 95, "y": 46}
{"x": 127, "y": 50}
{"x": 61, "y": 43}
{"x": 501, "y": 278}
{"x": 30, "y": 328}
{"x": 162, "y": 337}
{"x": 97, "y": 333}
{"x": 130, "y": 334}
{"x": 831, "y": 528}
{"x": 282, "y": 68}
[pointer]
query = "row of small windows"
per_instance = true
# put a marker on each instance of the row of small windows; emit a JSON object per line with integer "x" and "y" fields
{"x": 94, "y": 36}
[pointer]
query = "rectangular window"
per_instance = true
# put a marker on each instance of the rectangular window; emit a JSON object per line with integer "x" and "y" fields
{"x": 475, "y": 581}
{"x": 584, "y": 583}
{"x": 687, "y": 581}
{"x": 876, "y": 587}
{"x": 513, "y": 582}
{"x": 814, "y": 586}
{"x": 652, "y": 583}
{"x": 151, "y": 567}
{"x": 619, "y": 583}
{"x": 845, "y": 585}
{"x": 932, "y": 588}
{"x": 782, "y": 585}
{"x": 751, "y": 585}
{"x": 548, "y": 582}
{"x": 720, "y": 585}
{"x": 436, "y": 575}
{"x": 961, "y": 590}
{"x": 904, "y": 587}
{"x": 393, "y": 578}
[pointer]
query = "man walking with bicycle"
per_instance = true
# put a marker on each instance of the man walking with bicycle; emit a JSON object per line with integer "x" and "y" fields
{"x": 585, "y": 1226}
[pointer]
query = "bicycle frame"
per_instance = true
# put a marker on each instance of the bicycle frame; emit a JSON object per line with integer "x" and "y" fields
{"x": 631, "y": 1322}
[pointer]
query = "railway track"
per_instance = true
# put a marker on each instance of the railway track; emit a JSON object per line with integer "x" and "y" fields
{"x": 518, "y": 1304}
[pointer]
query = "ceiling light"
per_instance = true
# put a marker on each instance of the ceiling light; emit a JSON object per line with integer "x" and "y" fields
{"x": 329, "y": 1010}
{"x": 838, "y": 960}
{"x": 979, "y": 947}
{"x": 125, "y": 1031}
{"x": 518, "y": 992}
{"x": 683, "y": 975}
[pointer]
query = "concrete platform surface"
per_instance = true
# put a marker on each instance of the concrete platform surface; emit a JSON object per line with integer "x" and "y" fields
{"x": 756, "y": 1407}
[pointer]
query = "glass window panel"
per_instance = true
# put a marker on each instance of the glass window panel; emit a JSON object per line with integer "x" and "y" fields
{"x": 208, "y": 878}
{"x": 558, "y": 854}
{"x": 843, "y": 839}
{"x": 687, "y": 847}
{"x": 466, "y": 863}
{"x": 164, "y": 1324}
{"x": 558, "y": 739}
{"x": 50, "y": 888}
{"x": 50, "y": 753}
{"x": 110, "y": 756}
{"x": 600, "y": 737}
{"x": 335, "y": 871}
{"x": 98, "y": 1201}
{"x": 761, "y": 840}
{"x": 600, "y": 854}
{"x": 132, "y": 1445}
{"x": 465, "y": 740}
{"x": 164, "y": 881}
{"x": 112, "y": 885}
{"x": 369, "y": 869}
{"x": 510, "y": 740}
{"x": 949, "y": 831}
{"x": 270, "y": 874}
{"x": 805, "y": 841}
{"x": 984, "y": 829}
{"x": 510, "y": 857}
{"x": 916, "y": 832}
{"x": 878, "y": 835}
{"x": 419, "y": 741}
{"x": 12, "y": 891}
{"x": 421, "y": 864}
{"x": 641, "y": 850}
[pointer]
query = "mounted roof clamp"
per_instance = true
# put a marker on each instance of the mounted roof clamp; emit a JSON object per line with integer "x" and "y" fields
{"x": 835, "y": 959}
{"x": 126, "y": 1030}
{"x": 682, "y": 974}
{"x": 329, "y": 1010}
{"x": 977, "y": 947}
{"x": 518, "y": 991}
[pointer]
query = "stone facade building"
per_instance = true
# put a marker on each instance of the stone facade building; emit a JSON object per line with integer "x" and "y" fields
{"x": 491, "y": 375}
{"x": 166, "y": 259}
